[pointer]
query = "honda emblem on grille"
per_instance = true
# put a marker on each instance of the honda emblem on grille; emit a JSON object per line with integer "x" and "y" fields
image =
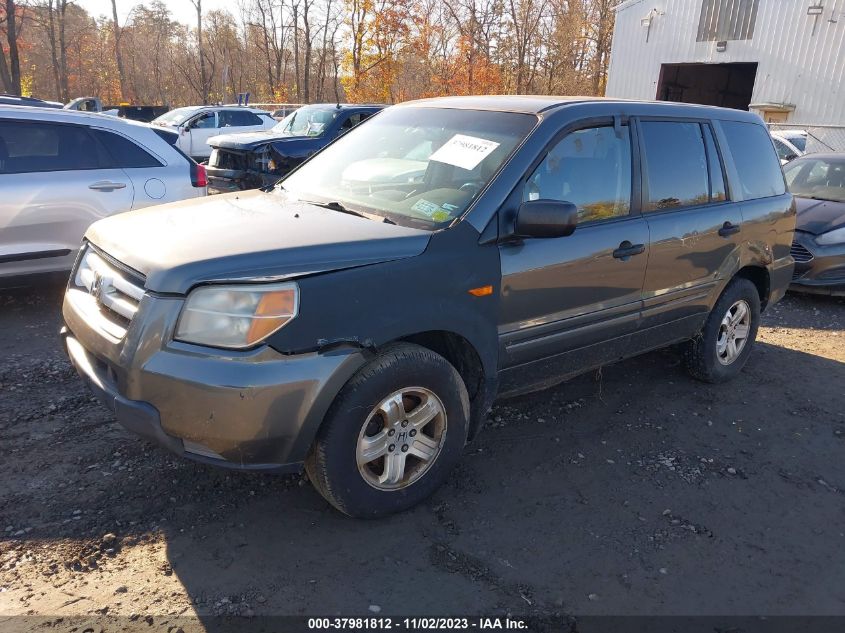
{"x": 99, "y": 287}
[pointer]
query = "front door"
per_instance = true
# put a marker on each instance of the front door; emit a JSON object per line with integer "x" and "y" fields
{"x": 570, "y": 303}
{"x": 200, "y": 130}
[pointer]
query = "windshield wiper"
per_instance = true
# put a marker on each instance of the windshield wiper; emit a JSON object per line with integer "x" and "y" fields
{"x": 334, "y": 205}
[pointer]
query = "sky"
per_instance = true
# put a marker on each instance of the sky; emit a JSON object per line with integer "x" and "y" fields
{"x": 182, "y": 10}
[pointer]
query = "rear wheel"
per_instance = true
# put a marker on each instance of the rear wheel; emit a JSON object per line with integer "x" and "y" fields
{"x": 722, "y": 348}
{"x": 393, "y": 434}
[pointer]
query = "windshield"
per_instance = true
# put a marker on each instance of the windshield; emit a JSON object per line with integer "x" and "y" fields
{"x": 415, "y": 166}
{"x": 819, "y": 178}
{"x": 175, "y": 117}
{"x": 282, "y": 125}
{"x": 306, "y": 121}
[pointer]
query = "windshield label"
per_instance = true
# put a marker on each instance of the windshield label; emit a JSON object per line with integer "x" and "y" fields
{"x": 425, "y": 207}
{"x": 463, "y": 151}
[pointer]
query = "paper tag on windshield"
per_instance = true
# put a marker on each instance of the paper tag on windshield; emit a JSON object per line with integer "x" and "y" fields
{"x": 464, "y": 151}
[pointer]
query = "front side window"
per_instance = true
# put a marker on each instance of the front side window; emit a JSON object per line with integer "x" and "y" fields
{"x": 675, "y": 164}
{"x": 757, "y": 164}
{"x": 591, "y": 168}
{"x": 414, "y": 166}
{"x": 205, "y": 121}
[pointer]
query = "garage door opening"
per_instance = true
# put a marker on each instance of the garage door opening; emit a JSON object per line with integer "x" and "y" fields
{"x": 726, "y": 85}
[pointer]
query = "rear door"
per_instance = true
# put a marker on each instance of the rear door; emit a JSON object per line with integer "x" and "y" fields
{"x": 153, "y": 181}
{"x": 695, "y": 228}
{"x": 55, "y": 181}
{"x": 572, "y": 302}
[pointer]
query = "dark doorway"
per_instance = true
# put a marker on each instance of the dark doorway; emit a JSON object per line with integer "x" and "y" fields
{"x": 726, "y": 85}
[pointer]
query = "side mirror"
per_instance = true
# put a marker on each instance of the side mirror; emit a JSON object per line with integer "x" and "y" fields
{"x": 546, "y": 218}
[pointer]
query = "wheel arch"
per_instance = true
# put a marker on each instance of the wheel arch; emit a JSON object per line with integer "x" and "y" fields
{"x": 759, "y": 276}
{"x": 465, "y": 358}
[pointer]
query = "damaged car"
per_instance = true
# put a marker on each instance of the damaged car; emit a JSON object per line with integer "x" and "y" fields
{"x": 251, "y": 161}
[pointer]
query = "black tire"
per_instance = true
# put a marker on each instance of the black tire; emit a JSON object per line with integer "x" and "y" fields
{"x": 701, "y": 354}
{"x": 332, "y": 464}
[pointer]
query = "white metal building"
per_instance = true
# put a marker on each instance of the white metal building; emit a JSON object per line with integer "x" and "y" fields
{"x": 784, "y": 59}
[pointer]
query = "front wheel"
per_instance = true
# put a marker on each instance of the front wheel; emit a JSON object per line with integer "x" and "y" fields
{"x": 722, "y": 348}
{"x": 393, "y": 434}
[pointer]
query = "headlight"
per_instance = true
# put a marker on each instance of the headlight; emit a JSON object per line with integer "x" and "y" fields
{"x": 836, "y": 236}
{"x": 236, "y": 316}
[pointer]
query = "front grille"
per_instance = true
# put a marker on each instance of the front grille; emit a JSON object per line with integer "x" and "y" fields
{"x": 221, "y": 159}
{"x": 115, "y": 291}
{"x": 799, "y": 253}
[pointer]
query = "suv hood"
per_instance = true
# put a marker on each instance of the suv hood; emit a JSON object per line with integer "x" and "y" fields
{"x": 819, "y": 216}
{"x": 249, "y": 140}
{"x": 250, "y": 235}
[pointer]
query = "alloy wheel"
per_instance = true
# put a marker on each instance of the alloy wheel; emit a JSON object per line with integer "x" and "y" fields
{"x": 733, "y": 332}
{"x": 401, "y": 438}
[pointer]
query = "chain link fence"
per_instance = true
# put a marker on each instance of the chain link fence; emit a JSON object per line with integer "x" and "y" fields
{"x": 820, "y": 138}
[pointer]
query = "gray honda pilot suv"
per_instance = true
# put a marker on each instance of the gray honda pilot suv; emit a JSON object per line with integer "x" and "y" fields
{"x": 359, "y": 318}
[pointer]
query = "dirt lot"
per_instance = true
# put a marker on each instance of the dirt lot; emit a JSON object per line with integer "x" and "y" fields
{"x": 632, "y": 491}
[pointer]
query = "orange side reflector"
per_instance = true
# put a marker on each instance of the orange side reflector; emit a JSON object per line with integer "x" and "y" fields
{"x": 483, "y": 291}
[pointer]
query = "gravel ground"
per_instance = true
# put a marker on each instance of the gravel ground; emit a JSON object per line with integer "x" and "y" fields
{"x": 634, "y": 490}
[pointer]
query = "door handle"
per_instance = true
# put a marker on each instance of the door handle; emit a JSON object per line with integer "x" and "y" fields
{"x": 626, "y": 250}
{"x": 728, "y": 229}
{"x": 106, "y": 185}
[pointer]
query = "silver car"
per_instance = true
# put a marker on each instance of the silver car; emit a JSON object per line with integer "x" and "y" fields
{"x": 61, "y": 170}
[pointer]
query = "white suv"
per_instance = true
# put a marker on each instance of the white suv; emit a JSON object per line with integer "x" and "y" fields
{"x": 197, "y": 124}
{"x": 61, "y": 170}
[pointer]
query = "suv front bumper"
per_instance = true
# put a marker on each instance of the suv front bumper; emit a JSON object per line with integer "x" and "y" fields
{"x": 249, "y": 410}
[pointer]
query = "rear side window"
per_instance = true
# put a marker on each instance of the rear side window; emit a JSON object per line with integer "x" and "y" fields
{"x": 757, "y": 165}
{"x": 124, "y": 153}
{"x": 238, "y": 118}
{"x": 676, "y": 165}
{"x": 27, "y": 147}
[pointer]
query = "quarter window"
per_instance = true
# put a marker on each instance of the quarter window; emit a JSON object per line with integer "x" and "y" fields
{"x": 591, "y": 168}
{"x": 757, "y": 164}
{"x": 676, "y": 165}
